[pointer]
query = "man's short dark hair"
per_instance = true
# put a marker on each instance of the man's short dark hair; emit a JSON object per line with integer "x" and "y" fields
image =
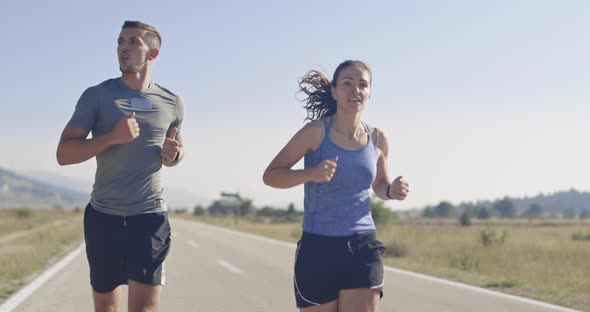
{"x": 154, "y": 40}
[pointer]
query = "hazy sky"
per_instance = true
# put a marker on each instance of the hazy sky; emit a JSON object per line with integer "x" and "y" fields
{"x": 480, "y": 99}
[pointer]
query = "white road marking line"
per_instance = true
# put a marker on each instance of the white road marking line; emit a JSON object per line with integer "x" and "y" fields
{"x": 27, "y": 291}
{"x": 243, "y": 234}
{"x": 193, "y": 244}
{"x": 228, "y": 266}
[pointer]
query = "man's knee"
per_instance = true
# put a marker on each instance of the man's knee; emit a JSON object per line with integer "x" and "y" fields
{"x": 107, "y": 302}
{"x": 143, "y": 297}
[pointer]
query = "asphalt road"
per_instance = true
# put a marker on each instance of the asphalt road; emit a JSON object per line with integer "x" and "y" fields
{"x": 213, "y": 269}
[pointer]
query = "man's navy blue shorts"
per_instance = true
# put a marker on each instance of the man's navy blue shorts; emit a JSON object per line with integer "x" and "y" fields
{"x": 324, "y": 265}
{"x": 125, "y": 248}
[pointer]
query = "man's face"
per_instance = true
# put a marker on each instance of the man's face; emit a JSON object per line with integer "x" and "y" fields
{"x": 132, "y": 50}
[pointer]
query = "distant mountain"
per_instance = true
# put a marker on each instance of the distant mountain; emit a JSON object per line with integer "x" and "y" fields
{"x": 175, "y": 197}
{"x": 556, "y": 203}
{"x": 17, "y": 190}
{"x": 80, "y": 185}
{"x": 559, "y": 203}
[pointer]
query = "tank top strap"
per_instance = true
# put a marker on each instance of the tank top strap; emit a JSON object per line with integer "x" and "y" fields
{"x": 328, "y": 123}
{"x": 327, "y": 126}
{"x": 368, "y": 129}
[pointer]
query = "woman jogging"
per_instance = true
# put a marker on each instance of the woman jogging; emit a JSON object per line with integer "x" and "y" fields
{"x": 338, "y": 264}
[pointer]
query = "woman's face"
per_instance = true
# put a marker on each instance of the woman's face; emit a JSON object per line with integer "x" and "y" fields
{"x": 353, "y": 89}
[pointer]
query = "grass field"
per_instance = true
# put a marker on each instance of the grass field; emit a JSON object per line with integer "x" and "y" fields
{"x": 32, "y": 241}
{"x": 537, "y": 260}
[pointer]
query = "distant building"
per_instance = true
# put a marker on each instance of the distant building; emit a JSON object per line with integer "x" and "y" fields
{"x": 229, "y": 203}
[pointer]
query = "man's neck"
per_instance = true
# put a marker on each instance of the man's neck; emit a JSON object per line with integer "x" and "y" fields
{"x": 136, "y": 81}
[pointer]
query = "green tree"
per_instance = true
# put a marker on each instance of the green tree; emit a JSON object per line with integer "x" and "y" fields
{"x": 291, "y": 209}
{"x": 569, "y": 213}
{"x": 534, "y": 211}
{"x": 444, "y": 210}
{"x": 266, "y": 211}
{"x": 505, "y": 208}
{"x": 483, "y": 213}
{"x": 381, "y": 214}
{"x": 246, "y": 207}
{"x": 217, "y": 208}
{"x": 22, "y": 213}
{"x": 465, "y": 219}
{"x": 428, "y": 212}
{"x": 199, "y": 210}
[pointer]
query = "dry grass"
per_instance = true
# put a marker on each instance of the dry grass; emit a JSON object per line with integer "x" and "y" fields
{"x": 22, "y": 219}
{"x": 537, "y": 259}
{"x": 23, "y": 257}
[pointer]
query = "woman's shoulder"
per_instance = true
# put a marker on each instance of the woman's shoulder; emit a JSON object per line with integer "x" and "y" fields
{"x": 314, "y": 127}
{"x": 311, "y": 134}
{"x": 379, "y": 137}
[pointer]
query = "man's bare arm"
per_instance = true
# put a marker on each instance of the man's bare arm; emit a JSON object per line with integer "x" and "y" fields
{"x": 74, "y": 148}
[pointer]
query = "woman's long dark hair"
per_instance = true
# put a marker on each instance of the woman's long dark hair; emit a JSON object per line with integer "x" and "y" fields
{"x": 319, "y": 102}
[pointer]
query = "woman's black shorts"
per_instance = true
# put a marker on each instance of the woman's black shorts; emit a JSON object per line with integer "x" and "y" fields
{"x": 324, "y": 265}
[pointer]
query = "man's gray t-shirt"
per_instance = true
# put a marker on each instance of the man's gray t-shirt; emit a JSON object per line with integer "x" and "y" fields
{"x": 128, "y": 180}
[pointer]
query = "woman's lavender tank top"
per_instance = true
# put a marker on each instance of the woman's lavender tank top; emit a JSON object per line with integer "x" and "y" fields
{"x": 341, "y": 207}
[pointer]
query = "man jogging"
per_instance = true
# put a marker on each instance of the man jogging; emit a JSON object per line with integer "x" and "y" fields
{"x": 135, "y": 127}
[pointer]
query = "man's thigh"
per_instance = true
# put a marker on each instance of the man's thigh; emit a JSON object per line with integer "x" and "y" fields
{"x": 104, "y": 236}
{"x": 358, "y": 300}
{"x": 148, "y": 244}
